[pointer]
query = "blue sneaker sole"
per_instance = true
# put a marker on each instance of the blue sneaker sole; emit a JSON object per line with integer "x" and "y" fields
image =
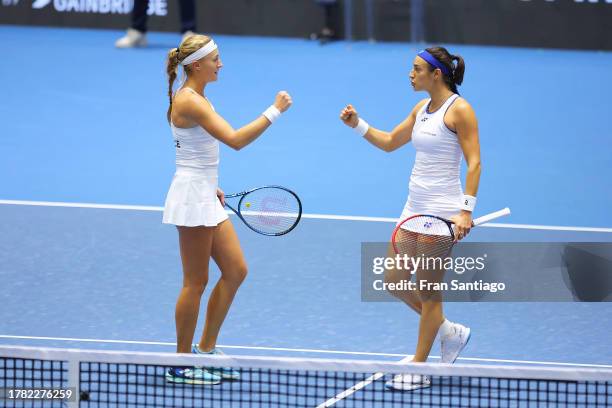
{"x": 178, "y": 380}
{"x": 235, "y": 376}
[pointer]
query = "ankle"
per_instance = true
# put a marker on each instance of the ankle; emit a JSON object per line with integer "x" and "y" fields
{"x": 204, "y": 348}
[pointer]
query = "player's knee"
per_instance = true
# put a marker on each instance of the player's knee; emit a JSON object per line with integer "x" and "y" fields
{"x": 195, "y": 288}
{"x": 431, "y": 302}
{"x": 196, "y": 285}
{"x": 242, "y": 272}
{"x": 396, "y": 283}
{"x": 238, "y": 273}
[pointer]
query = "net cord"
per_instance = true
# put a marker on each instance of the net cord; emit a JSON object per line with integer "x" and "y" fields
{"x": 75, "y": 356}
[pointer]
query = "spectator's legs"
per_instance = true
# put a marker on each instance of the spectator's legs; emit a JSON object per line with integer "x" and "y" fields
{"x": 188, "y": 15}
{"x": 139, "y": 15}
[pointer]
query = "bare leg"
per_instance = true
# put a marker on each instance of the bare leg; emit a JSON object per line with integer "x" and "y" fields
{"x": 409, "y": 297}
{"x": 432, "y": 314}
{"x": 228, "y": 255}
{"x": 431, "y": 319}
{"x": 195, "y": 243}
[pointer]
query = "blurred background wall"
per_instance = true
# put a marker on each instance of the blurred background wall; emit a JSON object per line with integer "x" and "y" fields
{"x": 573, "y": 24}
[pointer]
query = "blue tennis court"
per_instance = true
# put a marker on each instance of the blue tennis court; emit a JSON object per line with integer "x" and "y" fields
{"x": 86, "y": 128}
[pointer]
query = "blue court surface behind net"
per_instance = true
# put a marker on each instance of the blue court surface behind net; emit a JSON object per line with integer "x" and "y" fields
{"x": 83, "y": 122}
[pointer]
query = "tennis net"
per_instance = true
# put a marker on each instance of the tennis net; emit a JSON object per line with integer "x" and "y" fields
{"x": 137, "y": 379}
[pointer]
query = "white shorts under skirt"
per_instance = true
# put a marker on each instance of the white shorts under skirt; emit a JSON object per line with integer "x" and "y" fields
{"x": 192, "y": 201}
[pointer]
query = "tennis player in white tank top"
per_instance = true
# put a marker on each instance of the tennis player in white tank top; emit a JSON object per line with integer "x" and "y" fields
{"x": 195, "y": 204}
{"x": 442, "y": 128}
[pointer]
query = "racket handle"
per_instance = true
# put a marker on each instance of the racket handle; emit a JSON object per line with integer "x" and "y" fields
{"x": 491, "y": 217}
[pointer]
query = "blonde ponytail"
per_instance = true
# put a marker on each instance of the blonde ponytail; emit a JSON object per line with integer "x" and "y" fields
{"x": 171, "y": 68}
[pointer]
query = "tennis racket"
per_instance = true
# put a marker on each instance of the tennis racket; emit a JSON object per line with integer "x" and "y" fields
{"x": 428, "y": 233}
{"x": 268, "y": 210}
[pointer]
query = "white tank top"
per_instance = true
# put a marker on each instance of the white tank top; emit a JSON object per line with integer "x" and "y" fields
{"x": 197, "y": 151}
{"x": 435, "y": 187}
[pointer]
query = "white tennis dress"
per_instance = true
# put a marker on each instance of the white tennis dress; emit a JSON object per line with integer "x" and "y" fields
{"x": 435, "y": 188}
{"x": 192, "y": 197}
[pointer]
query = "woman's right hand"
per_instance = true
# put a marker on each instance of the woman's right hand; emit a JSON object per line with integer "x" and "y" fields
{"x": 283, "y": 101}
{"x": 349, "y": 116}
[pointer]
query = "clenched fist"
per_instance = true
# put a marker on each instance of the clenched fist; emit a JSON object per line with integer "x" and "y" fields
{"x": 283, "y": 101}
{"x": 349, "y": 116}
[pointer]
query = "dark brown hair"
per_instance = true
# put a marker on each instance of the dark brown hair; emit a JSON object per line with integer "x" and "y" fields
{"x": 456, "y": 69}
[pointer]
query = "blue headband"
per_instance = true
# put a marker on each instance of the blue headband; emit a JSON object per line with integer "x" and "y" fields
{"x": 434, "y": 62}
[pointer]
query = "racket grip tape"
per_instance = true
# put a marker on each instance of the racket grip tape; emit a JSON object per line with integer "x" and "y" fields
{"x": 491, "y": 217}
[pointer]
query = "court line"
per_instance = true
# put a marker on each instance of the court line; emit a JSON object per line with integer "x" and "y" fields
{"x": 82, "y": 205}
{"x": 360, "y": 385}
{"x": 311, "y": 216}
{"x": 299, "y": 350}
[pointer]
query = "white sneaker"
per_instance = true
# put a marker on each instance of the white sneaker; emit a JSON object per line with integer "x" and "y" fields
{"x": 408, "y": 382}
{"x": 453, "y": 342}
{"x": 133, "y": 38}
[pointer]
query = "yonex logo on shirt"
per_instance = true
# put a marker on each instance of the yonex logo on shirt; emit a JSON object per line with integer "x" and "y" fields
{"x": 177, "y": 144}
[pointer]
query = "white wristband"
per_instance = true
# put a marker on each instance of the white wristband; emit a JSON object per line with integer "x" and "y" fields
{"x": 468, "y": 203}
{"x": 362, "y": 127}
{"x": 272, "y": 113}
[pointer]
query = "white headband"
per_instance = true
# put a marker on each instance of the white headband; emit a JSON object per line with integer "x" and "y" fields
{"x": 199, "y": 54}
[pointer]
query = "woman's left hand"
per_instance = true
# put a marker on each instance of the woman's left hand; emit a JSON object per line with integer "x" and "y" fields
{"x": 463, "y": 224}
{"x": 221, "y": 196}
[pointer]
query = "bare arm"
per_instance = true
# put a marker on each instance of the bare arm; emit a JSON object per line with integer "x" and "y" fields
{"x": 464, "y": 120}
{"x": 466, "y": 126}
{"x": 387, "y": 141}
{"x": 199, "y": 111}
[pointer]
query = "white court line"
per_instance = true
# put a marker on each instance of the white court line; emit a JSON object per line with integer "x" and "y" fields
{"x": 82, "y": 205}
{"x": 298, "y": 350}
{"x": 158, "y": 343}
{"x": 311, "y": 216}
{"x": 357, "y": 387}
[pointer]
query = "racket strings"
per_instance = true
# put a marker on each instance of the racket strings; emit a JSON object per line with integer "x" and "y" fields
{"x": 423, "y": 236}
{"x": 270, "y": 210}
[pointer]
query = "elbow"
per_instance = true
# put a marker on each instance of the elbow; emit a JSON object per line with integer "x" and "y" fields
{"x": 389, "y": 148}
{"x": 474, "y": 166}
{"x": 234, "y": 142}
{"x": 390, "y": 144}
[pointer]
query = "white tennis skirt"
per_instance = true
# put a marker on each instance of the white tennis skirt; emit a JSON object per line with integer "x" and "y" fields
{"x": 192, "y": 201}
{"x": 444, "y": 209}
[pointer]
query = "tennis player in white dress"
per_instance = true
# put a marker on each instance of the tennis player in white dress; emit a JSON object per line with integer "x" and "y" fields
{"x": 443, "y": 128}
{"x": 195, "y": 203}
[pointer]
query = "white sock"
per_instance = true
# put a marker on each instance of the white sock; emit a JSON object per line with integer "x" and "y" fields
{"x": 445, "y": 328}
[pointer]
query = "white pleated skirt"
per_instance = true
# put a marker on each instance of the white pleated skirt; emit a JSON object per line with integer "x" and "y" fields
{"x": 445, "y": 208}
{"x": 192, "y": 200}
